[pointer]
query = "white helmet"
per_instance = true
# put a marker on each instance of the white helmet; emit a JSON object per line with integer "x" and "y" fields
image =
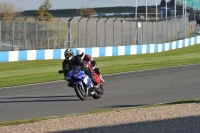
{"x": 80, "y": 53}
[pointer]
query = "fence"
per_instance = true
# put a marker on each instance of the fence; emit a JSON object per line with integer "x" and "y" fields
{"x": 29, "y": 34}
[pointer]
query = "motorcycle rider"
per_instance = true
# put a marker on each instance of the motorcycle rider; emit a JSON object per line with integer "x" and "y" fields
{"x": 85, "y": 57}
{"x": 71, "y": 61}
{"x": 88, "y": 59}
{"x": 96, "y": 69}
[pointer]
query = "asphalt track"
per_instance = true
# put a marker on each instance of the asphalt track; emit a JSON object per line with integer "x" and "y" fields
{"x": 121, "y": 90}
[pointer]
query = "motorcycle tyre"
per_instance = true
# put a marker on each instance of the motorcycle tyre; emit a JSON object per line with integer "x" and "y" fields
{"x": 78, "y": 92}
{"x": 97, "y": 94}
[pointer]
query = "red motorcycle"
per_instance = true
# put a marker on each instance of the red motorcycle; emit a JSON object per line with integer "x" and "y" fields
{"x": 97, "y": 78}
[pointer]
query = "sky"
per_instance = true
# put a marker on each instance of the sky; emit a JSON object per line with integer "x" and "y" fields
{"x": 75, "y": 4}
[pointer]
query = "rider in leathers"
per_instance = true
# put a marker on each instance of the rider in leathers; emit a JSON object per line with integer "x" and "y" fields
{"x": 89, "y": 61}
{"x": 71, "y": 61}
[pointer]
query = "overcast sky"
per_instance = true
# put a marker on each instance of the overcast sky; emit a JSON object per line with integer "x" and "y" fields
{"x": 71, "y": 4}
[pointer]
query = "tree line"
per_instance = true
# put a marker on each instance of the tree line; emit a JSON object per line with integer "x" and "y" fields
{"x": 44, "y": 12}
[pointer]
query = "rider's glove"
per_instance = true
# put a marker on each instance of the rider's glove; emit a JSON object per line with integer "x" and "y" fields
{"x": 60, "y": 71}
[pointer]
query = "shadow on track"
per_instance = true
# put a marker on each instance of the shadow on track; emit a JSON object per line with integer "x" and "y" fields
{"x": 25, "y": 99}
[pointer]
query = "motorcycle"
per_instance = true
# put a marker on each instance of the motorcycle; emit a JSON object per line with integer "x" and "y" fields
{"x": 97, "y": 78}
{"x": 83, "y": 84}
{"x": 100, "y": 83}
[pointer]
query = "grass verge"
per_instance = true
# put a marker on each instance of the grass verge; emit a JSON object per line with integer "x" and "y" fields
{"x": 29, "y": 72}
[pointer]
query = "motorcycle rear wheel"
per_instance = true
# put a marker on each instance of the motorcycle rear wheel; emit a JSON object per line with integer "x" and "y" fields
{"x": 80, "y": 92}
{"x": 97, "y": 94}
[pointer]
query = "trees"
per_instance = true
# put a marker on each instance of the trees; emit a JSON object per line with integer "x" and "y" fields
{"x": 85, "y": 12}
{"x": 43, "y": 11}
{"x": 8, "y": 10}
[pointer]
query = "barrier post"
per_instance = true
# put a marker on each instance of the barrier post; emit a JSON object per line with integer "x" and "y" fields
{"x": 114, "y": 31}
{"x": 105, "y": 32}
{"x": 13, "y": 32}
{"x": 47, "y": 26}
{"x": 0, "y": 30}
{"x": 87, "y": 32}
{"x": 25, "y": 45}
{"x": 58, "y": 29}
{"x": 79, "y": 32}
{"x": 97, "y": 31}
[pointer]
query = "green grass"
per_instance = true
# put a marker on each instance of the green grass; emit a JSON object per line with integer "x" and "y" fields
{"x": 28, "y": 72}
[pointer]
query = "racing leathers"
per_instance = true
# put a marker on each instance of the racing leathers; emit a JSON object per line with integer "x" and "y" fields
{"x": 77, "y": 62}
{"x": 88, "y": 59}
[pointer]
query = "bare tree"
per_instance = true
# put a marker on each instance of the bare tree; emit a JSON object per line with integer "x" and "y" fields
{"x": 9, "y": 10}
{"x": 85, "y": 12}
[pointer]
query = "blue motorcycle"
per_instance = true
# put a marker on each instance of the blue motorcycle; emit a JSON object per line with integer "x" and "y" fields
{"x": 83, "y": 84}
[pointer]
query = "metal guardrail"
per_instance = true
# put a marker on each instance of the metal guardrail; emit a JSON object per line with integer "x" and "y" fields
{"x": 28, "y": 34}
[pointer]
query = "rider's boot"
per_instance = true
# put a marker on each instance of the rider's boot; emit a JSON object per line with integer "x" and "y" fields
{"x": 94, "y": 82}
{"x": 70, "y": 84}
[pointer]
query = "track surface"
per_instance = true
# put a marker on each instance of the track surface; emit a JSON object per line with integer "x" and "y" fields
{"x": 121, "y": 90}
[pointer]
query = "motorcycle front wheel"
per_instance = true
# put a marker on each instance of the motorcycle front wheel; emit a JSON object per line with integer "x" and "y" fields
{"x": 80, "y": 91}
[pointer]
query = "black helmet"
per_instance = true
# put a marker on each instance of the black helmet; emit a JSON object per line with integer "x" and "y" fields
{"x": 93, "y": 64}
{"x": 69, "y": 54}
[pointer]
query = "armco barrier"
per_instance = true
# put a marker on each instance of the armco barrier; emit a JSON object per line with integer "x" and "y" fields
{"x": 10, "y": 56}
